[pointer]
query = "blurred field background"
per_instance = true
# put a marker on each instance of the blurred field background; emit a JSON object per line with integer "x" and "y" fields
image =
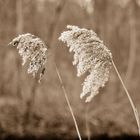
{"x": 31, "y": 109}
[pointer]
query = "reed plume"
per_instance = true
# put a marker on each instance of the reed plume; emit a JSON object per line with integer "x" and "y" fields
{"x": 90, "y": 55}
{"x": 32, "y": 50}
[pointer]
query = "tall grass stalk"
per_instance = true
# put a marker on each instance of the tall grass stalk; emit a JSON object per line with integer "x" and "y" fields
{"x": 67, "y": 100}
{"x": 129, "y": 97}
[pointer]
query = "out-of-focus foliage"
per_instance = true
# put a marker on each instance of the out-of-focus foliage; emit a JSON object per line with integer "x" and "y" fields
{"x": 27, "y": 107}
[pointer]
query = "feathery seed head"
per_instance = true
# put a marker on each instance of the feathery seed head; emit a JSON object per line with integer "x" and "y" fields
{"x": 33, "y": 50}
{"x": 90, "y": 55}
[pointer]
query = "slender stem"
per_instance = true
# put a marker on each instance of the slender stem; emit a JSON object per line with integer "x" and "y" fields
{"x": 66, "y": 97}
{"x": 129, "y": 97}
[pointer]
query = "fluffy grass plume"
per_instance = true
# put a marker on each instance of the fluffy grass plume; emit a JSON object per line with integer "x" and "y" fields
{"x": 32, "y": 50}
{"x": 90, "y": 55}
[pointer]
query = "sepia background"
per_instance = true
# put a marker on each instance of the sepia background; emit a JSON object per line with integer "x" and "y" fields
{"x": 40, "y": 110}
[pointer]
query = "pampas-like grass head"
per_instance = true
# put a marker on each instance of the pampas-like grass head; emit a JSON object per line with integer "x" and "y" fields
{"x": 33, "y": 50}
{"x": 90, "y": 55}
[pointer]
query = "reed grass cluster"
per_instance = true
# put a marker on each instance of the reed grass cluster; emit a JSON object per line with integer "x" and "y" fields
{"x": 91, "y": 57}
